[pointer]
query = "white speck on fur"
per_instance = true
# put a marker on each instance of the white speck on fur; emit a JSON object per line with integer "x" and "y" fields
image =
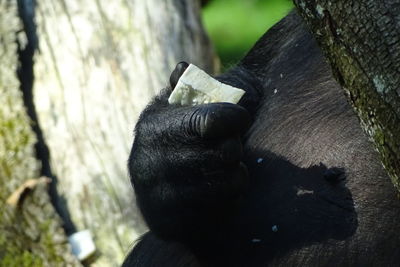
{"x": 302, "y": 192}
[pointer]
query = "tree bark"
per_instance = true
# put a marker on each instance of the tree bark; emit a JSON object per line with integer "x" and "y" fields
{"x": 31, "y": 232}
{"x": 98, "y": 66}
{"x": 361, "y": 40}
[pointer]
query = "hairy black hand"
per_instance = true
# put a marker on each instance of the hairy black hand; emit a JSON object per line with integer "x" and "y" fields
{"x": 185, "y": 165}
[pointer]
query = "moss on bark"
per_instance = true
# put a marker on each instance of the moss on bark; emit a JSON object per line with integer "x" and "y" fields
{"x": 30, "y": 232}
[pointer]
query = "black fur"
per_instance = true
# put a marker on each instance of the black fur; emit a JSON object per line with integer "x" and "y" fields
{"x": 293, "y": 206}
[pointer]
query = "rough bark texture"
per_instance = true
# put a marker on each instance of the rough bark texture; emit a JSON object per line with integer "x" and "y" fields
{"x": 98, "y": 66}
{"x": 361, "y": 40}
{"x": 31, "y": 232}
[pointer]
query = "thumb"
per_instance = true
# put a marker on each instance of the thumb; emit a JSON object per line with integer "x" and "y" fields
{"x": 177, "y": 73}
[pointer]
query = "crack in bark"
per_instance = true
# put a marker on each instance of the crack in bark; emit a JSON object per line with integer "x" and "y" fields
{"x": 26, "y": 10}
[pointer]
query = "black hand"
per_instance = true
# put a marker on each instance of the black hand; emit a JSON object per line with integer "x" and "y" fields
{"x": 186, "y": 167}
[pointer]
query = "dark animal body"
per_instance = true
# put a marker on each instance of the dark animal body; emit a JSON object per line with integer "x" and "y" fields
{"x": 315, "y": 193}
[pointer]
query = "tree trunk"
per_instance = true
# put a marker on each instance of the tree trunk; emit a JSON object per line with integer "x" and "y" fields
{"x": 361, "y": 40}
{"x": 31, "y": 232}
{"x": 99, "y": 64}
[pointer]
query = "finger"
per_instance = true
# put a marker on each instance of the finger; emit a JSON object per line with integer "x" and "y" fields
{"x": 231, "y": 151}
{"x": 239, "y": 178}
{"x": 225, "y": 154}
{"x": 213, "y": 121}
{"x": 177, "y": 73}
{"x": 218, "y": 120}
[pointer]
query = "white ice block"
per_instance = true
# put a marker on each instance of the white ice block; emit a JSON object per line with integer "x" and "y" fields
{"x": 197, "y": 87}
{"x": 82, "y": 244}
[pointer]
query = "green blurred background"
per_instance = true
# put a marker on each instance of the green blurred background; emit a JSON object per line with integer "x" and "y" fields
{"x": 235, "y": 25}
